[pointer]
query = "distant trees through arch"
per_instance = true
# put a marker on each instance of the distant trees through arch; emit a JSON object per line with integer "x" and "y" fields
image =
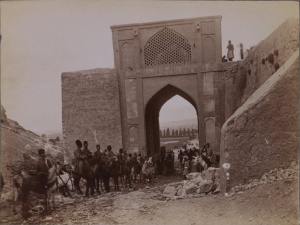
{"x": 181, "y": 132}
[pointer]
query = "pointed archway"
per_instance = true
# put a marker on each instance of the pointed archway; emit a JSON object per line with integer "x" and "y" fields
{"x": 152, "y": 110}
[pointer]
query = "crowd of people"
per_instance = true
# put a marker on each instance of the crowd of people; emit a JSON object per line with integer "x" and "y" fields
{"x": 165, "y": 161}
{"x": 196, "y": 160}
{"x": 83, "y": 158}
{"x": 191, "y": 160}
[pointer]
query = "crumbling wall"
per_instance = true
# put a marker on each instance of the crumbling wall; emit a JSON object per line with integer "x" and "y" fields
{"x": 90, "y": 109}
{"x": 262, "y": 134}
{"x": 261, "y": 62}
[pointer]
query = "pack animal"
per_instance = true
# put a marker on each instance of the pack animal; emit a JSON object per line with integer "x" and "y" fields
{"x": 116, "y": 173}
{"x": 148, "y": 171}
{"x": 202, "y": 164}
{"x": 24, "y": 183}
{"x": 91, "y": 171}
{"x": 127, "y": 170}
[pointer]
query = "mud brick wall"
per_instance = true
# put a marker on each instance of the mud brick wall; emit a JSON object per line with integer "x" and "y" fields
{"x": 263, "y": 133}
{"x": 260, "y": 63}
{"x": 91, "y": 109}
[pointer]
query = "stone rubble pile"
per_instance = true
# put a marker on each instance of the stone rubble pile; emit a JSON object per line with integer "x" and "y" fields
{"x": 290, "y": 173}
{"x": 196, "y": 185}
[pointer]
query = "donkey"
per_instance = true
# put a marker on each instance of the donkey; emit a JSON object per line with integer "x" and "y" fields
{"x": 127, "y": 170}
{"x": 24, "y": 183}
{"x": 202, "y": 163}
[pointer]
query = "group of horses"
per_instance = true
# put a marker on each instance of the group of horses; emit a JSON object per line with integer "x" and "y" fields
{"x": 97, "y": 170}
{"x": 101, "y": 168}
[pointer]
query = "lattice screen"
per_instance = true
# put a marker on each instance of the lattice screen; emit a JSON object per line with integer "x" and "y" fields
{"x": 167, "y": 47}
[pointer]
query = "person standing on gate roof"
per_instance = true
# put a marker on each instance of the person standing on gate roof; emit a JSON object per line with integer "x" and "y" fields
{"x": 86, "y": 151}
{"x": 230, "y": 54}
{"x": 42, "y": 169}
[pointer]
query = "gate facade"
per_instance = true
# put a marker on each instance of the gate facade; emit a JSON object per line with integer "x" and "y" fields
{"x": 156, "y": 61}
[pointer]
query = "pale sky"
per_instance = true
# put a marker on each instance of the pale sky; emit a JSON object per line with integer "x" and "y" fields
{"x": 177, "y": 108}
{"x": 42, "y": 39}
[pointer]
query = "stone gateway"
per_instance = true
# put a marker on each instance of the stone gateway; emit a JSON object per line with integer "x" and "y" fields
{"x": 153, "y": 63}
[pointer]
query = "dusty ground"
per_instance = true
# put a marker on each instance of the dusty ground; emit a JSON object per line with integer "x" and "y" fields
{"x": 271, "y": 204}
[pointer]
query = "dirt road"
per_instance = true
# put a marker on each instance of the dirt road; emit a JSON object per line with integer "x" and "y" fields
{"x": 269, "y": 204}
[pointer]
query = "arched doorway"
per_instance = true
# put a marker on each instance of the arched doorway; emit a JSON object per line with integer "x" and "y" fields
{"x": 152, "y": 110}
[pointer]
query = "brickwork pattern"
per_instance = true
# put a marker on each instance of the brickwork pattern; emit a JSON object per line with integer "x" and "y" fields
{"x": 91, "y": 109}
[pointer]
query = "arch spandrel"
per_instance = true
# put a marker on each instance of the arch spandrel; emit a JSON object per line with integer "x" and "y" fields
{"x": 185, "y": 83}
{"x": 166, "y": 93}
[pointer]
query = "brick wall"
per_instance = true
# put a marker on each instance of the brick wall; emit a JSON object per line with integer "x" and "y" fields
{"x": 90, "y": 109}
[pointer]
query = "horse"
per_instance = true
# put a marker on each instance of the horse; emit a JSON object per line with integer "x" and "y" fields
{"x": 24, "y": 183}
{"x": 116, "y": 172}
{"x": 137, "y": 170}
{"x": 90, "y": 171}
{"x": 103, "y": 173}
{"x": 127, "y": 169}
